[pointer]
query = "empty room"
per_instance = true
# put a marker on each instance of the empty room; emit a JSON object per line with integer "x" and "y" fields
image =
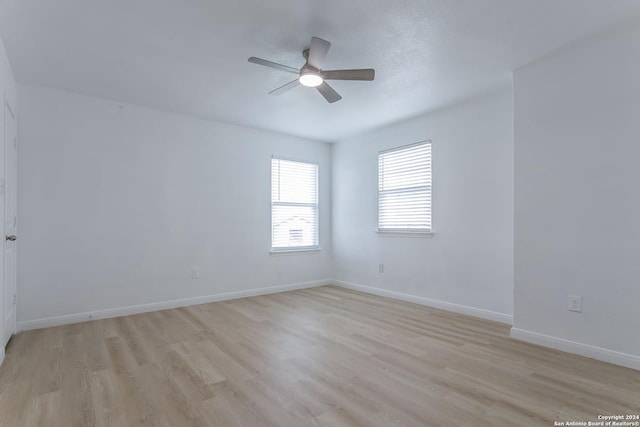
{"x": 320, "y": 213}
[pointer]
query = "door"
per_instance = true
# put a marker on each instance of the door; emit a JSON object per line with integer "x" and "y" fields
{"x": 10, "y": 220}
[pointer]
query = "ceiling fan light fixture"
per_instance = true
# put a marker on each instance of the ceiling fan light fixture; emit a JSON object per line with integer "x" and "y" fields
{"x": 310, "y": 79}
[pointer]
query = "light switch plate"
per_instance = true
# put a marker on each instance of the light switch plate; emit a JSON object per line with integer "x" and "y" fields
{"x": 575, "y": 303}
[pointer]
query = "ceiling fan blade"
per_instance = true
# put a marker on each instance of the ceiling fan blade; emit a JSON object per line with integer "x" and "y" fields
{"x": 328, "y": 92}
{"x": 317, "y": 51}
{"x": 285, "y": 87}
{"x": 272, "y": 64}
{"x": 367, "y": 74}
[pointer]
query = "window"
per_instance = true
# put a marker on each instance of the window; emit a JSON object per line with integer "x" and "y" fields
{"x": 296, "y": 235}
{"x": 404, "y": 189}
{"x": 294, "y": 205}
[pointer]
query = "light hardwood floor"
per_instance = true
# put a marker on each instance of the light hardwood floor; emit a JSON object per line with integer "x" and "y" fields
{"x": 322, "y": 356}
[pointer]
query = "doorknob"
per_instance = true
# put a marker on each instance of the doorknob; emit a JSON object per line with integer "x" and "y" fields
{"x": 12, "y": 237}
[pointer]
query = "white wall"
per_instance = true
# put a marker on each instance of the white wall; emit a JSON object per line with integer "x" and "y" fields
{"x": 469, "y": 260}
{"x": 577, "y": 204}
{"x": 8, "y": 93}
{"x": 117, "y": 203}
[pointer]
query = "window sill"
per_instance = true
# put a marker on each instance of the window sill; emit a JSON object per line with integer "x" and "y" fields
{"x": 293, "y": 251}
{"x": 419, "y": 234}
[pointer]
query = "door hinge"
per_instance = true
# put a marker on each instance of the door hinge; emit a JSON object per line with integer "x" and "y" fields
{"x": 15, "y": 299}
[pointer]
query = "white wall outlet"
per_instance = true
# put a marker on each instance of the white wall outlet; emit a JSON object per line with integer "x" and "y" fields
{"x": 380, "y": 268}
{"x": 575, "y": 303}
{"x": 195, "y": 273}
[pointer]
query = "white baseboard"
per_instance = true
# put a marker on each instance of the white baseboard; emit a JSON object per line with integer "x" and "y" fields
{"x": 598, "y": 353}
{"x": 442, "y": 305}
{"x": 156, "y": 306}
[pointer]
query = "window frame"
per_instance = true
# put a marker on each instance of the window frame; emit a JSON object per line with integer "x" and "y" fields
{"x": 294, "y": 249}
{"x": 422, "y": 232}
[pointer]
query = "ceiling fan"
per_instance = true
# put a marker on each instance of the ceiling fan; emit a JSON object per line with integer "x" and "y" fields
{"x": 312, "y": 75}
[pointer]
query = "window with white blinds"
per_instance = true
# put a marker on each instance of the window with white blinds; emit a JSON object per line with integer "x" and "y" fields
{"x": 294, "y": 205}
{"x": 404, "y": 189}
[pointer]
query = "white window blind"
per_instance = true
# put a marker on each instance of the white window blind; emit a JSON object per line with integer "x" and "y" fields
{"x": 404, "y": 188}
{"x": 294, "y": 205}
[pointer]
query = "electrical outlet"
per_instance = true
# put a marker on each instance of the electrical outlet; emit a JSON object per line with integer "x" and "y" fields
{"x": 380, "y": 268}
{"x": 575, "y": 303}
{"x": 195, "y": 273}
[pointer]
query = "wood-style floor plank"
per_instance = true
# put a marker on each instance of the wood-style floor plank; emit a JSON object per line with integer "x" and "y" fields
{"x": 316, "y": 357}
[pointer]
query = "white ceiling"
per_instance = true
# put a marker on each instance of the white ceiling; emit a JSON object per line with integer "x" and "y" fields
{"x": 190, "y": 56}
